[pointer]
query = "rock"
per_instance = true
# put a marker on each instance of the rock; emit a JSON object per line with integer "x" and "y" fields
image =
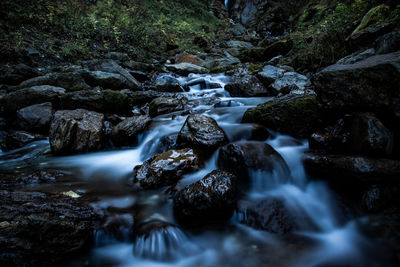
{"x": 76, "y": 131}
{"x": 239, "y": 157}
{"x": 31, "y": 178}
{"x": 126, "y": 132}
{"x": 388, "y": 43}
{"x": 66, "y": 227}
{"x": 249, "y": 132}
{"x": 294, "y": 115}
{"x": 370, "y": 136}
{"x": 139, "y": 98}
{"x": 239, "y": 44}
{"x": 185, "y": 68}
{"x": 118, "y": 56}
{"x": 108, "y": 80}
{"x": 270, "y": 74}
{"x": 352, "y": 169}
{"x": 167, "y": 142}
{"x": 86, "y": 99}
{"x": 202, "y": 132}
{"x": 261, "y": 54}
{"x": 166, "y": 168}
{"x": 30, "y": 96}
{"x": 366, "y": 37}
{"x": 290, "y": 79}
{"x": 164, "y": 105}
{"x": 270, "y": 214}
{"x": 248, "y": 86}
{"x": 141, "y": 66}
{"x": 18, "y": 139}
{"x": 373, "y": 16}
{"x": 117, "y": 102}
{"x": 167, "y": 83}
{"x": 71, "y": 81}
{"x": 372, "y": 84}
{"x": 213, "y": 198}
{"x": 140, "y": 75}
{"x": 201, "y": 83}
{"x": 188, "y": 58}
{"x": 15, "y": 74}
{"x": 35, "y": 117}
{"x": 357, "y": 56}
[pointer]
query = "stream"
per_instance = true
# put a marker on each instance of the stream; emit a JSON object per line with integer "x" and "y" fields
{"x": 326, "y": 237}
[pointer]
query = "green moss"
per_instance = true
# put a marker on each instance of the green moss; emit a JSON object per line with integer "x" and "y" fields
{"x": 116, "y": 101}
{"x": 373, "y": 17}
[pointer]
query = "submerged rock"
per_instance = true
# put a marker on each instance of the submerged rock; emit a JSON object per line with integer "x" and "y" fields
{"x": 35, "y": 117}
{"x": 239, "y": 157}
{"x": 125, "y": 133}
{"x": 76, "y": 131}
{"x": 203, "y": 132}
{"x": 213, "y": 198}
{"x": 38, "y": 225}
{"x": 166, "y": 168}
{"x": 294, "y": 115}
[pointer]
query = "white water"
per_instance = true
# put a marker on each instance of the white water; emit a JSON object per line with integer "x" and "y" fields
{"x": 241, "y": 245}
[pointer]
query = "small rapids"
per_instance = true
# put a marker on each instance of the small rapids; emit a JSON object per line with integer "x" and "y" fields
{"x": 154, "y": 238}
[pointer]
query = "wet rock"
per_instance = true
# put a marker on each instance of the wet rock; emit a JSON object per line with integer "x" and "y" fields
{"x": 164, "y": 105}
{"x": 248, "y": 86}
{"x": 370, "y": 136}
{"x": 35, "y": 117}
{"x": 76, "y": 131}
{"x": 388, "y": 43}
{"x": 126, "y": 132}
{"x": 86, "y": 99}
{"x": 71, "y": 81}
{"x": 270, "y": 74}
{"x": 15, "y": 74}
{"x": 201, "y": 83}
{"x": 352, "y": 169}
{"x": 270, "y": 214}
{"x": 31, "y": 178}
{"x": 166, "y": 168}
{"x": 252, "y": 132}
{"x": 139, "y": 98}
{"x": 370, "y": 84}
{"x": 239, "y": 157}
{"x": 140, "y": 75}
{"x": 213, "y": 198}
{"x": 185, "y": 68}
{"x": 18, "y": 139}
{"x": 293, "y": 115}
{"x": 108, "y": 80}
{"x": 365, "y": 37}
{"x": 202, "y": 132}
{"x": 40, "y": 225}
{"x": 167, "y": 83}
{"x": 292, "y": 80}
{"x": 117, "y": 102}
{"x": 167, "y": 142}
{"x": 30, "y": 96}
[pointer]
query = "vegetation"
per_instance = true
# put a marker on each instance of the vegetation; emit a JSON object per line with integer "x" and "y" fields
{"x": 323, "y": 26}
{"x": 70, "y": 29}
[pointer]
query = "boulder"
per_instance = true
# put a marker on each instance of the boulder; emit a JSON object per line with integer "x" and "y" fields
{"x": 18, "y": 139}
{"x": 185, "y": 68}
{"x": 35, "y": 225}
{"x": 352, "y": 169}
{"x": 126, "y": 132}
{"x": 71, "y": 81}
{"x": 30, "y": 96}
{"x": 87, "y": 99}
{"x": 270, "y": 74}
{"x": 15, "y": 74}
{"x": 36, "y": 117}
{"x": 167, "y": 83}
{"x": 372, "y": 84}
{"x": 188, "y": 58}
{"x": 212, "y": 198}
{"x": 202, "y": 132}
{"x": 108, "y": 80}
{"x": 292, "y": 79}
{"x": 164, "y": 105}
{"x": 388, "y": 43}
{"x": 239, "y": 157}
{"x": 118, "y": 56}
{"x": 248, "y": 86}
{"x": 139, "y": 98}
{"x": 76, "y": 131}
{"x": 166, "y": 168}
{"x": 294, "y": 115}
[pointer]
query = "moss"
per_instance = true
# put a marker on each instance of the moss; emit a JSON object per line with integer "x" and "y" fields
{"x": 116, "y": 101}
{"x": 295, "y": 115}
{"x": 373, "y": 17}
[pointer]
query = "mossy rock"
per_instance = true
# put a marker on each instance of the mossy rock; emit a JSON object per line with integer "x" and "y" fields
{"x": 374, "y": 17}
{"x": 116, "y": 101}
{"x": 294, "y": 115}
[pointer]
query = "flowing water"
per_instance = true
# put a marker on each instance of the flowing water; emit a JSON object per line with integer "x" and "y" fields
{"x": 140, "y": 229}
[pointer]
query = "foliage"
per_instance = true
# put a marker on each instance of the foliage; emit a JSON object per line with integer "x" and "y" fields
{"x": 84, "y": 28}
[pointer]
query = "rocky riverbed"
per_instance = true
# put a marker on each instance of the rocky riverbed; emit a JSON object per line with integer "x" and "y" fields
{"x": 204, "y": 159}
